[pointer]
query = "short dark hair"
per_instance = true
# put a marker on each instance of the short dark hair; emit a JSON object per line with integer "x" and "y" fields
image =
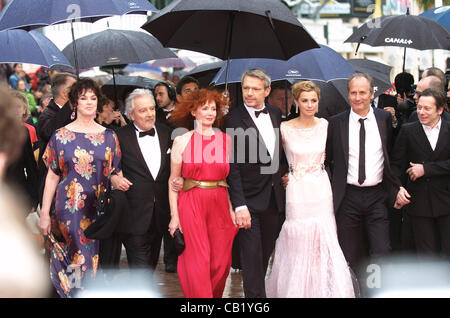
{"x": 438, "y": 96}
{"x": 82, "y": 85}
{"x": 404, "y": 83}
{"x": 59, "y": 80}
{"x": 186, "y": 80}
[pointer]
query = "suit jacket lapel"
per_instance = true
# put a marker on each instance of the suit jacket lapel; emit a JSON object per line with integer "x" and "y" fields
{"x": 344, "y": 136}
{"x": 163, "y": 145}
{"x": 422, "y": 138}
{"x": 443, "y": 137}
{"x": 134, "y": 146}
{"x": 382, "y": 130}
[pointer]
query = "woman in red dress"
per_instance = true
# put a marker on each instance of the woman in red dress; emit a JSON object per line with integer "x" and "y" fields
{"x": 202, "y": 210}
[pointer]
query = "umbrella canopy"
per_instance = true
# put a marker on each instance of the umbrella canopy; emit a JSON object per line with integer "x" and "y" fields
{"x": 205, "y": 73}
{"x": 380, "y": 72}
{"x": 407, "y": 31}
{"x": 116, "y": 47}
{"x": 323, "y": 64}
{"x": 19, "y": 46}
{"x": 123, "y": 84}
{"x": 441, "y": 15}
{"x": 141, "y": 67}
{"x": 32, "y": 14}
{"x": 177, "y": 62}
{"x": 231, "y": 29}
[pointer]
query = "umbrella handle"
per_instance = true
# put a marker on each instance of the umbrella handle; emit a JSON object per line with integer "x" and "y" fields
{"x": 75, "y": 50}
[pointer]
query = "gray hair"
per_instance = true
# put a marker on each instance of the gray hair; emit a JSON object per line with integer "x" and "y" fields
{"x": 259, "y": 73}
{"x": 129, "y": 102}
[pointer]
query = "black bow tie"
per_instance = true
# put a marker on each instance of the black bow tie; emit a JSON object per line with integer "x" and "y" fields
{"x": 150, "y": 132}
{"x": 258, "y": 112}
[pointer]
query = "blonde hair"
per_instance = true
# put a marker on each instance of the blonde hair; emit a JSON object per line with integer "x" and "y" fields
{"x": 305, "y": 86}
{"x": 24, "y": 103}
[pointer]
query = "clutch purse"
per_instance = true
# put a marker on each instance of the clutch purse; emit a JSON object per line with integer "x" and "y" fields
{"x": 179, "y": 241}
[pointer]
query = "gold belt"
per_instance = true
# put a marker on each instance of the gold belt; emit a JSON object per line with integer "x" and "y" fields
{"x": 191, "y": 183}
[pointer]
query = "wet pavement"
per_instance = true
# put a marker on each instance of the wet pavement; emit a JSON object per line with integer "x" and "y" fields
{"x": 169, "y": 286}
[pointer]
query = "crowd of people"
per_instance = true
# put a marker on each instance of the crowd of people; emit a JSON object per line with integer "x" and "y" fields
{"x": 243, "y": 182}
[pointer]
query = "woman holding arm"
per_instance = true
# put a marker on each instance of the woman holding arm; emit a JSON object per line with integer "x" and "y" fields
{"x": 202, "y": 210}
{"x": 80, "y": 158}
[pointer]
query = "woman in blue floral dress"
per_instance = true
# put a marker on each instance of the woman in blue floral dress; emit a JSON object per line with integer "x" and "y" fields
{"x": 80, "y": 158}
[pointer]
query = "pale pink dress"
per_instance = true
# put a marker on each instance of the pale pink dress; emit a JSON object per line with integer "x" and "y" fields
{"x": 308, "y": 259}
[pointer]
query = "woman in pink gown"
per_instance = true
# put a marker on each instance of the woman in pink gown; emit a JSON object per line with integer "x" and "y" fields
{"x": 202, "y": 210}
{"x": 308, "y": 260}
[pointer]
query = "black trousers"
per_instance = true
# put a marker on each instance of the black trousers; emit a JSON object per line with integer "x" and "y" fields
{"x": 432, "y": 235}
{"x": 363, "y": 225}
{"x": 256, "y": 246}
{"x": 142, "y": 250}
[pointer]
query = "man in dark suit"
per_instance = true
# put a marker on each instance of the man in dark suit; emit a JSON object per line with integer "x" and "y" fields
{"x": 423, "y": 151}
{"x": 56, "y": 115}
{"x": 256, "y": 192}
{"x": 165, "y": 96}
{"x": 145, "y": 172}
{"x": 357, "y": 154}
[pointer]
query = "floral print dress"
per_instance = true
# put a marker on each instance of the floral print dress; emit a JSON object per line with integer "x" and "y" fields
{"x": 84, "y": 163}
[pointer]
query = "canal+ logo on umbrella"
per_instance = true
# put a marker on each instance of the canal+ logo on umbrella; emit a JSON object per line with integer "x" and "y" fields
{"x": 398, "y": 41}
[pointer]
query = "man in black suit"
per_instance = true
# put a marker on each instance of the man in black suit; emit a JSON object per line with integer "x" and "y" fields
{"x": 423, "y": 151}
{"x": 165, "y": 96}
{"x": 144, "y": 176}
{"x": 56, "y": 115}
{"x": 255, "y": 190}
{"x": 357, "y": 154}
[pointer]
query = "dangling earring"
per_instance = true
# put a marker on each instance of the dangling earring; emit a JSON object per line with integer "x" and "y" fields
{"x": 72, "y": 117}
{"x": 296, "y": 108}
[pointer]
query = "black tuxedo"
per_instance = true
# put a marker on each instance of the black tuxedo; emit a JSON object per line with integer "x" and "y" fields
{"x": 430, "y": 194}
{"x": 148, "y": 203}
{"x": 263, "y": 194}
{"x": 51, "y": 119}
{"x": 361, "y": 212}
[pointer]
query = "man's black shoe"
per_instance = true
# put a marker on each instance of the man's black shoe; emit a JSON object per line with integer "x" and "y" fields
{"x": 171, "y": 268}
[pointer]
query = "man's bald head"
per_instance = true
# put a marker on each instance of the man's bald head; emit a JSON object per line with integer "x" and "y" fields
{"x": 431, "y": 81}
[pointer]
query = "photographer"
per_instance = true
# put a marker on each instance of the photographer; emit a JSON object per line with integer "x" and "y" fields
{"x": 404, "y": 84}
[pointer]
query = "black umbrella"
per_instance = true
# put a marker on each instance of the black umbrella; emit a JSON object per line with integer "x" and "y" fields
{"x": 231, "y": 29}
{"x": 204, "y": 73}
{"x": 124, "y": 84}
{"x": 380, "y": 72}
{"x": 406, "y": 31}
{"x": 116, "y": 47}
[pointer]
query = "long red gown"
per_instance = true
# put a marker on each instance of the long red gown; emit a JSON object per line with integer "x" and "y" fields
{"x": 205, "y": 219}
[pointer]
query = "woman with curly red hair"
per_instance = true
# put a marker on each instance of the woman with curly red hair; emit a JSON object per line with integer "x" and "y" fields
{"x": 202, "y": 210}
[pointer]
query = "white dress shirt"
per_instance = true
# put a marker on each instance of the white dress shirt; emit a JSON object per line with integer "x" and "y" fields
{"x": 151, "y": 151}
{"x": 265, "y": 128}
{"x": 433, "y": 133}
{"x": 373, "y": 150}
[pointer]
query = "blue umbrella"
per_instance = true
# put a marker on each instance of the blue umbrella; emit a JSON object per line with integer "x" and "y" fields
{"x": 141, "y": 67}
{"x": 440, "y": 14}
{"x": 323, "y": 64}
{"x": 20, "y": 46}
{"x": 32, "y": 14}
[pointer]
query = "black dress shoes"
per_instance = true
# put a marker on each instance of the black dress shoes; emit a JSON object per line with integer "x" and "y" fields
{"x": 171, "y": 268}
